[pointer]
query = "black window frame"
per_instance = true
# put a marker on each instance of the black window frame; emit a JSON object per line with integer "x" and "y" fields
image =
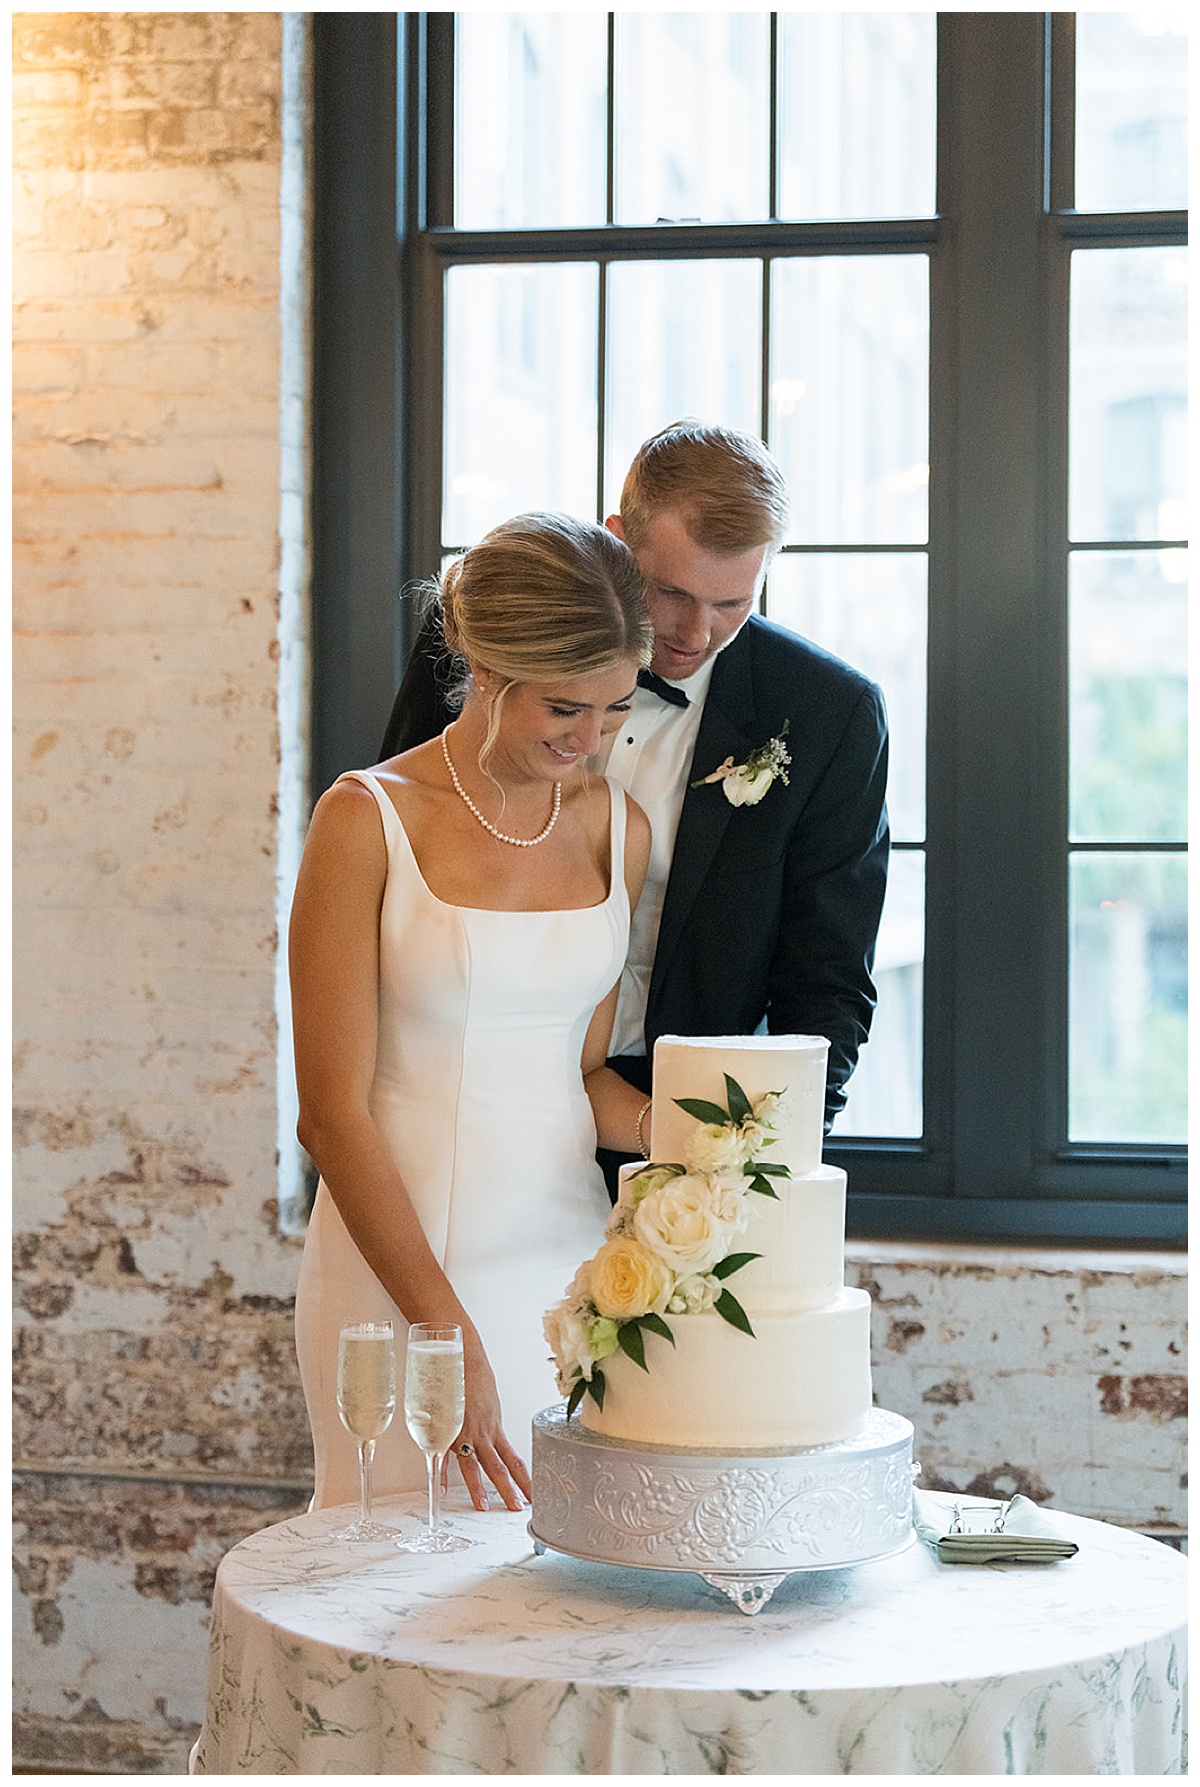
{"x": 992, "y": 1164}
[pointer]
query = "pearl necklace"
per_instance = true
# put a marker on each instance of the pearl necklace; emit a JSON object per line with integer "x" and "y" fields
{"x": 521, "y": 843}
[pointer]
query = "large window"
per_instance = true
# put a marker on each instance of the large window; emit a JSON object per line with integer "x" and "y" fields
{"x": 937, "y": 262}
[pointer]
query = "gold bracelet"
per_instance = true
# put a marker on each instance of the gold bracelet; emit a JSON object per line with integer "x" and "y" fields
{"x": 641, "y": 1118}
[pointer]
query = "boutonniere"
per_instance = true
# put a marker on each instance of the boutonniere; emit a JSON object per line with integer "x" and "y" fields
{"x": 746, "y": 783}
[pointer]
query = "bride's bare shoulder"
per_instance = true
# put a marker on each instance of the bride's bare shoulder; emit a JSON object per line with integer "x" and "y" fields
{"x": 414, "y": 782}
{"x": 415, "y": 768}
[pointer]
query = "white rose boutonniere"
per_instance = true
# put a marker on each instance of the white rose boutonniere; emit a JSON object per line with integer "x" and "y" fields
{"x": 745, "y": 784}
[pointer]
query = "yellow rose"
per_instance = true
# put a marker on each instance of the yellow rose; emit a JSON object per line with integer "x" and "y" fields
{"x": 628, "y": 1280}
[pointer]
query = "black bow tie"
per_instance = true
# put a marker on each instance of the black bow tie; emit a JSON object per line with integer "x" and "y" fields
{"x": 658, "y": 685}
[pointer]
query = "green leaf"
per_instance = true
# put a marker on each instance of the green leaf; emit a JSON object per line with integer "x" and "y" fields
{"x": 656, "y": 1325}
{"x": 733, "y": 1263}
{"x": 576, "y": 1396}
{"x": 758, "y": 1183}
{"x": 739, "y": 1105}
{"x": 595, "y": 1385}
{"x": 775, "y": 1168}
{"x": 629, "y": 1339}
{"x": 731, "y": 1310}
{"x": 701, "y": 1108}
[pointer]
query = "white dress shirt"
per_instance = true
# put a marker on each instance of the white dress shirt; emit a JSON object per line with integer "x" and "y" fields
{"x": 650, "y": 755}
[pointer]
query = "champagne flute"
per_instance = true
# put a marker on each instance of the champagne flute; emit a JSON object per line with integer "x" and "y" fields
{"x": 366, "y": 1393}
{"x": 434, "y": 1402}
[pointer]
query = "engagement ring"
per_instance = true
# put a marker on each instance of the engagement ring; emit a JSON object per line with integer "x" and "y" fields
{"x": 466, "y": 1451}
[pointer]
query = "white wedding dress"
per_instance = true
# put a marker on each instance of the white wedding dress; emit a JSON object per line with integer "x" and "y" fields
{"x": 478, "y": 1091}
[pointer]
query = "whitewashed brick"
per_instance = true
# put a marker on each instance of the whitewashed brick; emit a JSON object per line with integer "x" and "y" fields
{"x": 55, "y": 89}
{"x": 37, "y": 368}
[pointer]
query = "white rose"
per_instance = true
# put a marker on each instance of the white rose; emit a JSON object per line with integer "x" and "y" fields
{"x": 716, "y": 1148}
{"x": 566, "y": 1332}
{"x": 693, "y": 1295}
{"x": 687, "y": 1222}
{"x": 748, "y": 790}
{"x": 620, "y": 1222}
{"x": 579, "y": 1291}
{"x": 729, "y": 1193}
{"x": 759, "y": 1138}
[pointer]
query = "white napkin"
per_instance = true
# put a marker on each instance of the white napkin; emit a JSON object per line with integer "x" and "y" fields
{"x": 1027, "y": 1535}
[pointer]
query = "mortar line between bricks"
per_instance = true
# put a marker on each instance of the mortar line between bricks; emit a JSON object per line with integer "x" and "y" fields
{"x": 284, "y": 1485}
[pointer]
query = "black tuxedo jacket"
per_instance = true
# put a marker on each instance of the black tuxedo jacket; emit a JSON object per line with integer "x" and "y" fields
{"x": 771, "y": 911}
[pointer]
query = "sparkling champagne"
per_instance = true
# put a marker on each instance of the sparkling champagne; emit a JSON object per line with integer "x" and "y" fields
{"x": 366, "y": 1382}
{"x": 434, "y": 1397}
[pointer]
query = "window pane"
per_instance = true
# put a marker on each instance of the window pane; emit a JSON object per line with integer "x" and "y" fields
{"x": 531, "y": 119}
{"x": 1129, "y": 696}
{"x": 1128, "y": 417}
{"x": 692, "y": 116}
{"x": 849, "y": 419}
{"x": 869, "y": 609}
{"x": 1131, "y": 110}
{"x": 885, "y": 1091}
{"x": 521, "y": 409}
{"x": 683, "y": 340}
{"x": 857, "y": 114}
{"x": 1128, "y": 1045}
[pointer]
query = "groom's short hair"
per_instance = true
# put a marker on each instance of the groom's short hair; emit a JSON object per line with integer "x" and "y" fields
{"x": 724, "y": 486}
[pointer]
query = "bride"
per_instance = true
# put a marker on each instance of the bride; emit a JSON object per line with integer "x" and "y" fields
{"x": 457, "y": 936}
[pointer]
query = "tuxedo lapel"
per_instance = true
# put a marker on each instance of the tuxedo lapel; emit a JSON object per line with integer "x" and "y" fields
{"x": 726, "y": 730}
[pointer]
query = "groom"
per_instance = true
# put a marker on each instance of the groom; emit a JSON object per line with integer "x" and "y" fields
{"x": 751, "y": 912}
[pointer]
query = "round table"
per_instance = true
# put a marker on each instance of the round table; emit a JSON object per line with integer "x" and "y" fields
{"x": 348, "y": 1659}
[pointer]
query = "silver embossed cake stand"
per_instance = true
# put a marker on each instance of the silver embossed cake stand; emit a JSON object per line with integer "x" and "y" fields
{"x": 742, "y": 1521}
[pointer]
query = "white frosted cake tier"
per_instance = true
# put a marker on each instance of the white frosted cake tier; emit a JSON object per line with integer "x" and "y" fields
{"x": 695, "y": 1067}
{"x": 804, "y": 1379}
{"x": 800, "y": 1236}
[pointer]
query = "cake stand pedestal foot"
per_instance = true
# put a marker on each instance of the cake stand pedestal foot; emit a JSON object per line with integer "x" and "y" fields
{"x": 749, "y": 1594}
{"x": 539, "y": 1550}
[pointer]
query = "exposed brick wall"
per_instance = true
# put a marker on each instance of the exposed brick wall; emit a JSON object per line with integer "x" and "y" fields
{"x": 153, "y": 1293}
{"x": 1061, "y": 1375}
{"x": 114, "y": 1582}
{"x": 158, "y": 1415}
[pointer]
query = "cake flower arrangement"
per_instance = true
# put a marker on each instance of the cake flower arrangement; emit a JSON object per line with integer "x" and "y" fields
{"x": 669, "y": 1245}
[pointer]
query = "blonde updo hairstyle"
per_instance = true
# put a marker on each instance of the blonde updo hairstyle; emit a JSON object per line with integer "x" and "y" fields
{"x": 542, "y": 598}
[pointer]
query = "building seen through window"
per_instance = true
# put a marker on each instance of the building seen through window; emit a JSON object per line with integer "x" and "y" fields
{"x": 938, "y": 263}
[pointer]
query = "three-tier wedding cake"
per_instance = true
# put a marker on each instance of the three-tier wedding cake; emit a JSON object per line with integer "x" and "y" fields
{"x": 716, "y": 1366}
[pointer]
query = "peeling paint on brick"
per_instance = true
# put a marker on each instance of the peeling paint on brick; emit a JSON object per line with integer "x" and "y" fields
{"x": 952, "y": 1392}
{"x": 152, "y": 1298}
{"x": 1159, "y": 1398}
{"x": 47, "y": 1621}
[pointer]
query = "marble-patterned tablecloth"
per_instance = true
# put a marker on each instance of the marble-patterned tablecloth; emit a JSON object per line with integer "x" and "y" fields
{"x": 336, "y": 1659}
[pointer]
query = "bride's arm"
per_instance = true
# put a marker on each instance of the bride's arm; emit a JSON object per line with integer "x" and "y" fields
{"x": 616, "y": 1105}
{"x": 333, "y": 950}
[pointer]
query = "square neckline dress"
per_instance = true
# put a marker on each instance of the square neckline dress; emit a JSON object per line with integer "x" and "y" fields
{"x": 479, "y": 1095}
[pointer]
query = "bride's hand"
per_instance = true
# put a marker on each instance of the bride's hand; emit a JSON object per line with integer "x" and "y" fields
{"x": 488, "y": 1454}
